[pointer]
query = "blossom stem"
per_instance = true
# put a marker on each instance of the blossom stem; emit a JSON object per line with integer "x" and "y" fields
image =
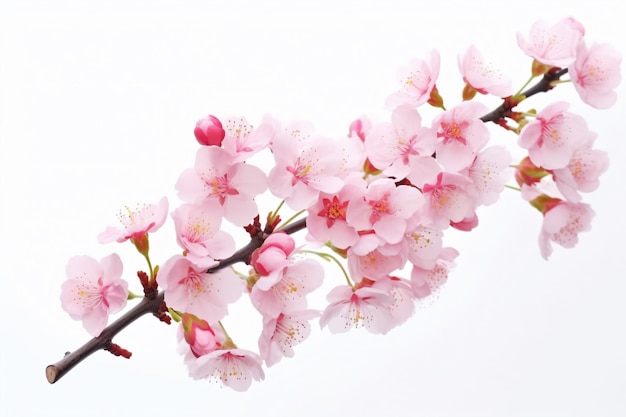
{"x": 176, "y": 316}
{"x": 240, "y": 274}
{"x": 518, "y": 94}
{"x": 513, "y": 188}
{"x": 274, "y": 213}
{"x": 289, "y": 220}
{"x": 228, "y": 343}
{"x": 132, "y": 295}
{"x": 328, "y": 257}
{"x": 145, "y": 255}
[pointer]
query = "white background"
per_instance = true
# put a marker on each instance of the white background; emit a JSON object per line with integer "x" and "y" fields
{"x": 98, "y": 105}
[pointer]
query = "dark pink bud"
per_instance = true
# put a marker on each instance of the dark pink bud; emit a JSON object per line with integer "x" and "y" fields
{"x": 209, "y": 131}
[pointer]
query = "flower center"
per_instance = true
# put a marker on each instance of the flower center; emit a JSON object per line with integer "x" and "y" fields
{"x": 452, "y": 132}
{"x": 220, "y": 188}
{"x": 380, "y": 208}
{"x": 333, "y": 210}
{"x": 300, "y": 172}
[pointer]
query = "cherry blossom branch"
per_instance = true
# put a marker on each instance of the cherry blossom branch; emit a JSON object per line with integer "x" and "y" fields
{"x": 148, "y": 305}
{"x": 393, "y": 206}
{"x": 544, "y": 85}
{"x": 153, "y": 301}
{"x": 153, "y": 304}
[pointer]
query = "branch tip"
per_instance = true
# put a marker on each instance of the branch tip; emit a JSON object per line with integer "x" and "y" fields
{"x": 51, "y": 374}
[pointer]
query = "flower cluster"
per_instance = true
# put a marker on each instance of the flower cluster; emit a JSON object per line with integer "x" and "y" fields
{"x": 377, "y": 202}
{"x": 561, "y": 161}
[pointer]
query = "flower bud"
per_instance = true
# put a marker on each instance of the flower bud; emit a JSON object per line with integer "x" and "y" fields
{"x": 544, "y": 203}
{"x": 528, "y": 173}
{"x": 199, "y": 335}
{"x": 468, "y": 92}
{"x": 209, "y": 131}
{"x": 273, "y": 254}
{"x": 435, "y": 98}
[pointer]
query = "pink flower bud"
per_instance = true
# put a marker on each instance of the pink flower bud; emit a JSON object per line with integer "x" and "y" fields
{"x": 273, "y": 254}
{"x": 199, "y": 335}
{"x": 209, "y": 131}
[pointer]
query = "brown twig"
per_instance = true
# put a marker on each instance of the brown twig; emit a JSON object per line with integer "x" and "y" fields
{"x": 103, "y": 341}
{"x": 545, "y": 84}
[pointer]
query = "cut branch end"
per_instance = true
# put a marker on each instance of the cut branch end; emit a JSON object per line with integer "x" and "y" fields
{"x": 51, "y": 374}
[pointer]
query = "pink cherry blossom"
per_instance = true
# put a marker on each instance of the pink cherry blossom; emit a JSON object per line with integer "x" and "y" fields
{"x": 368, "y": 241}
{"x": 423, "y": 245}
{"x": 482, "y": 76}
{"x": 451, "y": 198}
{"x": 553, "y": 136}
{"x": 553, "y": 45}
{"x": 389, "y": 146}
{"x": 304, "y": 167}
{"x": 385, "y": 209}
{"x": 403, "y": 305}
{"x": 374, "y": 265}
{"x": 359, "y": 128}
{"x": 190, "y": 288}
{"x": 209, "y": 131}
{"x": 137, "y": 223}
{"x": 352, "y": 157}
{"x": 233, "y": 185}
{"x": 596, "y": 73}
{"x": 94, "y": 290}
{"x": 460, "y": 135}
{"x": 281, "y": 334}
{"x": 243, "y": 140}
{"x": 197, "y": 231}
{"x": 286, "y": 291}
{"x": 582, "y": 172}
{"x": 235, "y": 368}
{"x": 489, "y": 173}
{"x": 364, "y": 307}
{"x": 546, "y": 189}
{"x": 423, "y": 170}
{"x": 427, "y": 281}
{"x": 562, "y": 224}
{"x": 327, "y": 220}
{"x": 417, "y": 82}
